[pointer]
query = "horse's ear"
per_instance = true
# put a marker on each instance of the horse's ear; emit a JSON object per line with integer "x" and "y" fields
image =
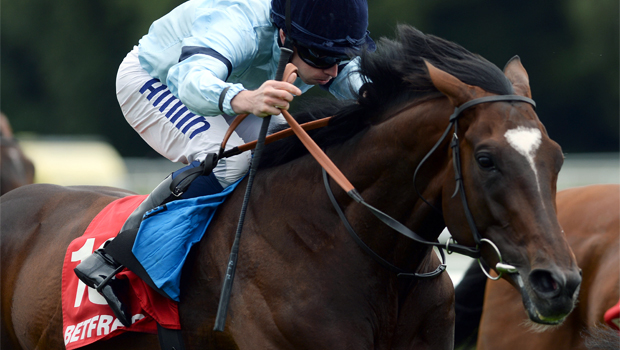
{"x": 457, "y": 91}
{"x": 517, "y": 75}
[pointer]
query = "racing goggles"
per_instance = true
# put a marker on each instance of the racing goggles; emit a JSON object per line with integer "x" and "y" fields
{"x": 319, "y": 59}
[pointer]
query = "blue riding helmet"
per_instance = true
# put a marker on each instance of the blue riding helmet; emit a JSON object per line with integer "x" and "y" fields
{"x": 336, "y": 27}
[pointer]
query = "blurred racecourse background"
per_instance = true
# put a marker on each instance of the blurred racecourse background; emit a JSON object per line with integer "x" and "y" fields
{"x": 59, "y": 60}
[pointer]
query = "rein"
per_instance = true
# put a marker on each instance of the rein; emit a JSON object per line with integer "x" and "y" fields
{"x": 328, "y": 167}
{"x": 391, "y": 223}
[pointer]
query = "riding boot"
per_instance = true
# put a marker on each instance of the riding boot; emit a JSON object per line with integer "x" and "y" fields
{"x": 191, "y": 181}
{"x": 160, "y": 195}
{"x": 117, "y": 253}
{"x": 97, "y": 271}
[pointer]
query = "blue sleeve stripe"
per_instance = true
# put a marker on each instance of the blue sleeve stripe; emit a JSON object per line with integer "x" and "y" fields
{"x": 188, "y": 51}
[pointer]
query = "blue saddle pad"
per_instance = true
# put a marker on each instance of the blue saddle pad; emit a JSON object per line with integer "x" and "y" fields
{"x": 168, "y": 232}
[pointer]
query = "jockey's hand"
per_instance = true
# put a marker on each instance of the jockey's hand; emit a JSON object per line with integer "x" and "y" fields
{"x": 269, "y": 99}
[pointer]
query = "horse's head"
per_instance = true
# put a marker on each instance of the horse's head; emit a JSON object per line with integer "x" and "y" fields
{"x": 509, "y": 168}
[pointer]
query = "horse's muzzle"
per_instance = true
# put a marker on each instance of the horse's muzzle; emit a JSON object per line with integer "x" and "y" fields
{"x": 550, "y": 295}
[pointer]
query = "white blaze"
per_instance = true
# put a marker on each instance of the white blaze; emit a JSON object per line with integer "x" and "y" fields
{"x": 526, "y": 141}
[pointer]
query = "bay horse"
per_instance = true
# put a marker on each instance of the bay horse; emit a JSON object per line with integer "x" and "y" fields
{"x": 590, "y": 217}
{"x": 302, "y": 282}
{"x": 16, "y": 169}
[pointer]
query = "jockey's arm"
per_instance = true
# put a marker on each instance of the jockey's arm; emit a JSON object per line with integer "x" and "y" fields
{"x": 199, "y": 83}
{"x": 271, "y": 97}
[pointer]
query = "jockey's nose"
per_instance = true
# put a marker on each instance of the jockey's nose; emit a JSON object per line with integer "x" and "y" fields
{"x": 332, "y": 71}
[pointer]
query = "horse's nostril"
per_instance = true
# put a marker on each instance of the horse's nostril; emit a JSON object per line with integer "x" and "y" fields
{"x": 543, "y": 282}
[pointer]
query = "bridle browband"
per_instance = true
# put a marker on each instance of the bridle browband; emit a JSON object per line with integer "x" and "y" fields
{"x": 474, "y": 252}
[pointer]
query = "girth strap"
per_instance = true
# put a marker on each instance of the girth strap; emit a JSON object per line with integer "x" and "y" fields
{"x": 170, "y": 339}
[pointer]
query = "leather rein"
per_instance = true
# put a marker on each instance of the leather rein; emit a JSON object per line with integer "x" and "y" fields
{"x": 329, "y": 168}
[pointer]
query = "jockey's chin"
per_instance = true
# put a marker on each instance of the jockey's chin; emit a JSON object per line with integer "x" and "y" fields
{"x": 314, "y": 76}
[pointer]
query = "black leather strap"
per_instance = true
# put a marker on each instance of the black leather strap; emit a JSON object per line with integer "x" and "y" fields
{"x": 120, "y": 249}
{"x": 456, "y": 160}
{"x": 182, "y": 181}
{"x": 393, "y": 224}
{"x": 495, "y": 98}
{"x": 220, "y": 103}
{"x": 170, "y": 339}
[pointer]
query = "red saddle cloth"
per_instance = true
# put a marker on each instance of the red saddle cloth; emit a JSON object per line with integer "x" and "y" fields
{"x": 86, "y": 315}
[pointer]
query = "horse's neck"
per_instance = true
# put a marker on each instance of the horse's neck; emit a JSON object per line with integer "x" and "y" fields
{"x": 380, "y": 164}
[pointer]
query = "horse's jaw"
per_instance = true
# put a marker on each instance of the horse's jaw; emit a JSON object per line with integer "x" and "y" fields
{"x": 538, "y": 308}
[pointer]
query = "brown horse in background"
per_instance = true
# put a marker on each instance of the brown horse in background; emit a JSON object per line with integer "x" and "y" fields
{"x": 590, "y": 217}
{"x": 16, "y": 169}
{"x": 302, "y": 282}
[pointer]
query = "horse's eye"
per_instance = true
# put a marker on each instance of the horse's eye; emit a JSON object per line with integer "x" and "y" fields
{"x": 485, "y": 162}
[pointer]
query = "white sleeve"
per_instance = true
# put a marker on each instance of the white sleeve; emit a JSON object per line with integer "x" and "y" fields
{"x": 198, "y": 82}
{"x": 221, "y": 40}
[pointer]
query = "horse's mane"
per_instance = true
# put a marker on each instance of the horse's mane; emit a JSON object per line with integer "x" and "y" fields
{"x": 393, "y": 75}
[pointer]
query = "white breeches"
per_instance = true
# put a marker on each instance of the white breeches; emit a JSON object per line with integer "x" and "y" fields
{"x": 173, "y": 131}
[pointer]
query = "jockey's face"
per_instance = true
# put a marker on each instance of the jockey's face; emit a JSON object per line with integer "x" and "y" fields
{"x": 314, "y": 68}
{"x": 311, "y": 75}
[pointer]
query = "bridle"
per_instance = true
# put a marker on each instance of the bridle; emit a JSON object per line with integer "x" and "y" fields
{"x": 329, "y": 168}
{"x": 500, "y": 267}
{"x": 450, "y": 246}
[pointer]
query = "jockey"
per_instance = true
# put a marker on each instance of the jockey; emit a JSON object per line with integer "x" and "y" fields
{"x": 206, "y": 62}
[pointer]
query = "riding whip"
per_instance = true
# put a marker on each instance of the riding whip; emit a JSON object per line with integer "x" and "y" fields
{"x": 222, "y": 310}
